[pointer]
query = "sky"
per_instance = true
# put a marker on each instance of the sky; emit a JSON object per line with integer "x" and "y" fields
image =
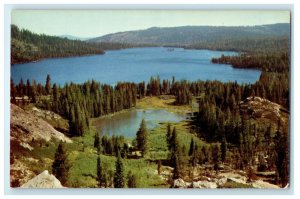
{"x": 94, "y": 23}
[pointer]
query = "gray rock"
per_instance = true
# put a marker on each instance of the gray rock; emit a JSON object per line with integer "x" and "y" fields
{"x": 43, "y": 180}
{"x": 231, "y": 179}
{"x": 180, "y": 183}
{"x": 204, "y": 184}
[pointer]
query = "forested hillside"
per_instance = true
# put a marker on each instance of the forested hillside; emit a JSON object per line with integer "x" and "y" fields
{"x": 27, "y": 46}
{"x": 193, "y": 35}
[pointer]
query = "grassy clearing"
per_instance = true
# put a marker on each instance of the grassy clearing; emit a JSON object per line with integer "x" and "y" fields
{"x": 83, "y": 157}
{"x": 157, "y": 139}
{"x": 160, "y": 103}
{"x": 83, "y": 161}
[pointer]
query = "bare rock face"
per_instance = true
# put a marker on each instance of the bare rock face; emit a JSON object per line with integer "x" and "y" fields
{"x": 28, "y": 131}
{"x": 264, "y": 110}
{"x": 43, "y": 180}
{"x": 180, "y": 183}
{"x": 26, "y": 127}
{"x": 204, "y": 184}
{"x": 264, "y": 185}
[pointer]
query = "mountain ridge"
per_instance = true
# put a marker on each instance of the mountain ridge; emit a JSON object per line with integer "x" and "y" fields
{"x": 187, "y": 35}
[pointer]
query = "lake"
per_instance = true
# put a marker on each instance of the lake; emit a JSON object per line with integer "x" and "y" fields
{"x": 135, "y": 65}
{"x": 127, "y": 123}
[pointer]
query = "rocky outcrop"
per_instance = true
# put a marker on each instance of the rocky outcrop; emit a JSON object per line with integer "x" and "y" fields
{"x": 180, "y": 183}
{"x": 221, "y": 179}
{"x": 204, "y": 184}
{"x": 28, "y": 132}
{"x": 43, "y": 180}
{"x": 264, "y": 110}
{"x": 26, "y": 127}
{"x": 264, "y": 185}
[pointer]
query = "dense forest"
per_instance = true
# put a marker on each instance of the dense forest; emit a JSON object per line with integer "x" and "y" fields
{"x": 254, "y": 44}
{"x": 27, "y": 46}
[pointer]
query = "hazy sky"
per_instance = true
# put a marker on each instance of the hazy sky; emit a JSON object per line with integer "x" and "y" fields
{"x": 93, "y": 23}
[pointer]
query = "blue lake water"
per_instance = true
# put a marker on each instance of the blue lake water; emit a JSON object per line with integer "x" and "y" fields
{"x": 127, "y": 123}
{"x": 135, "y": 65}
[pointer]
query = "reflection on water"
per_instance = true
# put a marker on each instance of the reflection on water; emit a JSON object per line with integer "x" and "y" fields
{"x": 127, "y": 123}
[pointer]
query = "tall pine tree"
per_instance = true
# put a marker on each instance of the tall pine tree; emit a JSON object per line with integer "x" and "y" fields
{"x": 60, "y": 166}
{"x": 141, "y": 137}
{"x": 119, "y": 174}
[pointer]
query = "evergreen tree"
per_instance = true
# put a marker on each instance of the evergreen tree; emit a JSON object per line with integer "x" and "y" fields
{"x": 223, "y": 149}
{"x": 176, "y": 171}
{"x": 33, "y": 92}
{"x": 174, "y": 145}
{"x": 60, "y": 166}
{"x": 28, "y": 88}
{"x": 141, "y": 137}
{"x": 21, "y": 88}
{"x": 48, "y": 85}
{"x": 100, "y": 177}
{"x": 119, "y": 174}
{"x": 169, "y": 135}
{"x": 282, "y": 160}
{"x": 96, "y": 140}
{"x": 13, "y": 91}
{"x": 131, "y": 180}
{"x": 192, "y": 147}
{"x": 215, "y": 155}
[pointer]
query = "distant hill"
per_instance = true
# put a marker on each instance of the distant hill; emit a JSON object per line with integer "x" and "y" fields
{"x": 71, "y": 37}
{"x": 188, "y": 35}
{"x": 27, "y": 46}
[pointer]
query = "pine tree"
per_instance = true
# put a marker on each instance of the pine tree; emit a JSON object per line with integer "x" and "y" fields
{"x": 141, "y": 137}
{"x": 13, "y": 91}
{"x": 215, "y": 155}
{"x": 33, "y": 92}
{"x": 96, "y": 140}
{"x": 100, "y": 177}
{"x": 169, "y": 135}
{"x": 28, "y": 88}
{"x": 174, "y": 146}
{"x": 176, "y": 173}
{"x": 48, "y": 85}
{"x": 223, "y": 149}
{"x": 192, "y": 147}
{"x": 282, "y": 160}
{"x": 60, "y": 166}
{"x": 21, "y": 88}
{"x": 175, "y": 154}
{"x": 119, "y": 174}
{"x": 131, "y": 180}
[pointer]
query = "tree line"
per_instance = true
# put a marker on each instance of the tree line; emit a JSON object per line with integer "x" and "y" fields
{"x": 79, "y": 102}
{"x": 265, "y": 62}
{"x": 220, "y": 120}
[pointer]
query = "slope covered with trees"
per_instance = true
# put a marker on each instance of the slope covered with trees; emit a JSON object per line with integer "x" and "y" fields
{"x": 191, "y": 35}
{"x": 27, "y": 46}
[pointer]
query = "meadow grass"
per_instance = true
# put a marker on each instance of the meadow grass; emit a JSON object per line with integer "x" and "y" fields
{"x": 82, "y": 156}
